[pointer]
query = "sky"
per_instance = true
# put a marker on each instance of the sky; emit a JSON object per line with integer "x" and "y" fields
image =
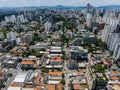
{"x": 21, "y": 3}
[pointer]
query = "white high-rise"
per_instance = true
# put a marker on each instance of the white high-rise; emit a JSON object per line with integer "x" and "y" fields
{"x": 111, "y": 35}
{"x": 11, "y": 18}
{"x": 110, "y": 26}
{"x": 47, "y": 25}
{"x": 118, "y": 53}
{"x": 11, "y": 35}
{"x": 115, "y": 38}
{"x": 89, "y": 20}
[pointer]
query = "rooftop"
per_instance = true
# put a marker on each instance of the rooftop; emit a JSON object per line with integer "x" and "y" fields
{"x": 27, "y": 62}
{"x": 50, "y": 87}
{"x": 58, "y": 59}
{"x": 106, "y": 62}
{"x": 14, "y": 88}
{"x": 58, "y": 73}
{"x": 78, "y": 87}
{"x": 114, "y": 78}
{"x": 80, "y": 72}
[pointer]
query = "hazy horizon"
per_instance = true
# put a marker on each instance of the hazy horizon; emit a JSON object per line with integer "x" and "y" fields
{"x": 28, "y": 3}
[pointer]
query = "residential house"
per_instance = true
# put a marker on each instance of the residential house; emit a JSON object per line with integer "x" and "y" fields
{"x": 28, "y": 64}
{"x": 10, "y": 62}
{"x": 55, "y": 75}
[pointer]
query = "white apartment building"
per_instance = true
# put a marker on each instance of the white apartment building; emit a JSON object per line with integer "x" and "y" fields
{"x": 47, "y": 25}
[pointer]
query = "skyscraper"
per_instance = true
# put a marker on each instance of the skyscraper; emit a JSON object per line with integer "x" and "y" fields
{"x": 47, "y": 25}
{"x": 88, "y": 8}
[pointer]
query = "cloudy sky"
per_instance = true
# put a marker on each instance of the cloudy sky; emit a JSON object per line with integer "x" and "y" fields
{"x": 19, "y": 3}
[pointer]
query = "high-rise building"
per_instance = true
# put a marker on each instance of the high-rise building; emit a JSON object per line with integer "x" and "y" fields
{"x": 113, "y": 40}
{"x": 47, "y": 25}
{"x": 111, "y": 36}
{"x": 89, "y": 20}
{"x": 11, "y": 36}
{"x": 27, "y": 38}
{"x": 110, "y": 27}
{"x": 11, "y": 19}
{"x": 116, "y": 52}
{"x": 88, "y": 8}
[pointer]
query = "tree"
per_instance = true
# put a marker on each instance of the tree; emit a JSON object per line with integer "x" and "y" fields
{"x": 63, "y": 52}
{"x": 41, "y": 30}
{"x": 57, "y": 18}
{"x": 63, "y": 76}
{"x": 36, "y": 27}
{"x": 90, "y": 50}
{"x": 4, "y": 31}
{"x": 20, "y": 60}
{"x": 42, "y": 49}
{"x": 33, "y": 52}
{"x": 0, "y": 38}
{"x": 104, "y": 45}
{"x": 10, "y": 74}
{"x": 36, "y": 34}
{"x": 99, "y": 68}
{"x": 63, "y": 82}
{"x": 44, "y": 70}
{"x": 39, "y": 55}
{"x": 32, "y": 42}
{"x": 36, "y": 37}
{"x": 2, "y": 85}
{"x": 26, "y": 54}
{"x": 71, "y": 84}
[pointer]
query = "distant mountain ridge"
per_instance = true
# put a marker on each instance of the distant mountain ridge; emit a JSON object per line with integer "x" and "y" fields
{"x": 63, "y": 7}
{"x": 110, "y": 7}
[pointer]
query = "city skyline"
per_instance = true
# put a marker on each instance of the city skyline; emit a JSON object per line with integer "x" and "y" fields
{"x": 59, "y": 45}
{"x": 22, "y": 3}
